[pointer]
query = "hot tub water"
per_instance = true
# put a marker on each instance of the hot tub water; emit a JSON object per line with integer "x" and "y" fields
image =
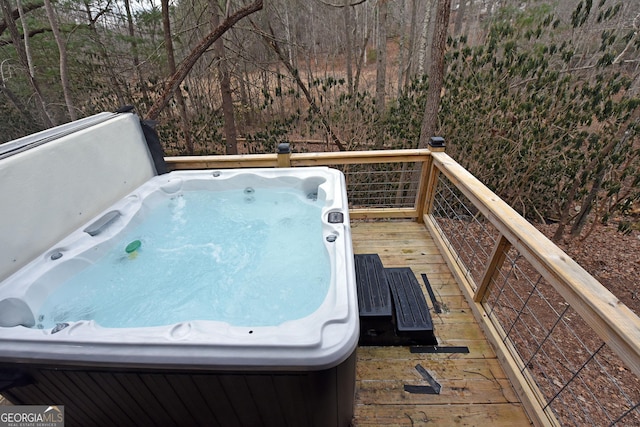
{"x": 246, "y": 257}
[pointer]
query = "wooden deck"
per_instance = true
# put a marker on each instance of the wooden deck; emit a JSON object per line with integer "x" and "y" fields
{"x": 475, "y": 390}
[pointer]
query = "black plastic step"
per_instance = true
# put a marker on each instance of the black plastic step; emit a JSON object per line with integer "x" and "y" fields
{"x": 374, "y": 301}
{"x": 374, "y": 297}
{"x": 413, "y": 320}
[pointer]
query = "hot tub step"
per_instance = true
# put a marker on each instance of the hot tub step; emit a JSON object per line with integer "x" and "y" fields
{"x": 413, "y": 321}
{"x": 374, "y": 301}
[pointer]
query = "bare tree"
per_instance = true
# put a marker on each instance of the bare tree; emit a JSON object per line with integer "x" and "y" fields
{"x": 25, "y": 31}
{"x": 474, "y": 29}
{"x": 182, "y": 107}
{"x": 423, "y": 49}
{"x": 412, "y": 42}
{"x": 381, "y": 56}
{"x": 22, "y": 57}
{"x": 361, "y": 60}
{"x": 348, "y": 29}
{"x": 64, "y": 68}
{"x": 436, "y": 72}
{"x": 134, "y": 51}
{"x": 187, "y": 64}
{"x": 401, "y": 66}
{"x": 225, "y": 85}
{"x": 460, "y": 17}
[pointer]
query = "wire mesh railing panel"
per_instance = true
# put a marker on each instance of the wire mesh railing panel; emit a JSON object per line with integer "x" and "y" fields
{"x": 470, "y": 235}
{"x": 580, "y": 378}
{"x": 576, "y": 375}
{"x": 382, "y": 185}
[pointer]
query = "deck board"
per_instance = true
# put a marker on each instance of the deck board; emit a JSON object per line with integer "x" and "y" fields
{"x": 475, "y": 389}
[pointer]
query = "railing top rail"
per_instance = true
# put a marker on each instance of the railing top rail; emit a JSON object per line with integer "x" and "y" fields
{"x": 613, "y": 321}
{"x": 351, "y": 157}
{"x": 222, "y": 161}
{"x": 298, "y": 159}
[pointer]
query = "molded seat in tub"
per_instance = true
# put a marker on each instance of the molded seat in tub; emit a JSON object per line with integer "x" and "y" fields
{"x": 15, "y": 312}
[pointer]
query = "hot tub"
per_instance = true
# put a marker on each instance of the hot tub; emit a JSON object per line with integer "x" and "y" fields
{"x": 271, "y": 344}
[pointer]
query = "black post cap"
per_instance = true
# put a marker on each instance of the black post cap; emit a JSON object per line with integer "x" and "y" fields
{"x": 284, "y": 148}
{"x": 436, "y": 142}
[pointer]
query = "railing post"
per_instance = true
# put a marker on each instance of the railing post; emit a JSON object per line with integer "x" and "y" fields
{"x": 284, "y": 155}
{"x": 429, "y": 180}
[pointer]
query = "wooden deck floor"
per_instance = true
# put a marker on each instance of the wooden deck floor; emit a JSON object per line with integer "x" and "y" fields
{"x": 475, "y": 390}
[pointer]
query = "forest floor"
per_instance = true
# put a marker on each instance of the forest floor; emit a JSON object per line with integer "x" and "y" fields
{"x": 610, "y": 256}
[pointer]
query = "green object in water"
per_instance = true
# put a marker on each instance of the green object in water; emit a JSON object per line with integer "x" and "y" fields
{"x": 133, "y": 246}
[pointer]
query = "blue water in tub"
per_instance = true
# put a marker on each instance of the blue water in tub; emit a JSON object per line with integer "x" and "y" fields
{"x": 249, "y": 258}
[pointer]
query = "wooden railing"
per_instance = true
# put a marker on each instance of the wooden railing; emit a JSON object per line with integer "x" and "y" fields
{"x": 530, "y": 276}
{"x": 553, "y": 325}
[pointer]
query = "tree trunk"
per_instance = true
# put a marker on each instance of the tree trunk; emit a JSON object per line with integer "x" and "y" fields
{"x": 436, "y": 72}
{"x": 460, "y": 15}
{"x": 134, "y": 52}
{"x": 423, "y": 55}
{"x": 279, "y": 92}
{"x": 266, "y": 91}
{"x": 247, "y": 104}
{"x": 22, "y": 57}
{"x": 182, "y": 107}
{"x": 401, "y": 46}
{"x": 225, "y": 87}
{"x": 348, "y": 28}
{"x": 195, "y": 54}
{"x": 587, "y": 203}
{"x": 361, "y": 61}
{"x": 381, "y": 57}
{"x": 290, "y": 41}
{"x": 474, "y": 27}
{"x": 368, "y": 28}
{"x": 412, "y": 42}
{"x": 25, "y": 31}
{"x": 62, "y": 50}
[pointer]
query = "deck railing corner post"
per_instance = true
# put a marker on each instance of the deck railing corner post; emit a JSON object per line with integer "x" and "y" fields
{"x": 284, "y": 155}
{"x": 429, "y": 179}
